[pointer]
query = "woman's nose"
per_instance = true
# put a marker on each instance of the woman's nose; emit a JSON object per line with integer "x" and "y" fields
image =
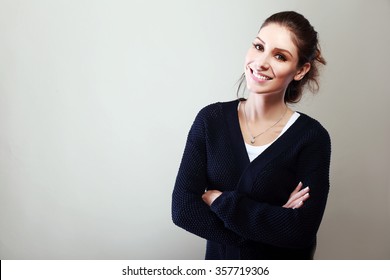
{"x": 261, "y": 62}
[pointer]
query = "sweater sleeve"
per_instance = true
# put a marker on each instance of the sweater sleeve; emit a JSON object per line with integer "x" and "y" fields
{"x": 188, "y": 209}
{"x": 273, "y": 224}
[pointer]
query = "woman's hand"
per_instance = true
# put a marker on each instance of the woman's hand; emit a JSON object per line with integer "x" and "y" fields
{"x": 211, "y": 195}
{"x": 297, "y": 197}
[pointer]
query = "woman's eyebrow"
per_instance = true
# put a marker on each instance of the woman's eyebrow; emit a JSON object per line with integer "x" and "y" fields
{"x": 283, "y": 50}
{"x": 277, "y": 49}
{"x": 260, "y": 40}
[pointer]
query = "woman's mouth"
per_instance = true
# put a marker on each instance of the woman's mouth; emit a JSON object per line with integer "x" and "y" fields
{"x": 260, "y": 76}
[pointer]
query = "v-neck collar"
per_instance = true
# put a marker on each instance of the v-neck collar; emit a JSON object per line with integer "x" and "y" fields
{"x": 273, "y": 151}
{"x": 237, "y": 141}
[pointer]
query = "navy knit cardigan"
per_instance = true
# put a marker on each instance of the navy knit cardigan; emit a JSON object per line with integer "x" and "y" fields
{"x": 248, "y": 221}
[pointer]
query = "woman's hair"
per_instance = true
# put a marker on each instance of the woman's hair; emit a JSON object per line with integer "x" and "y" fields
{"x": 306, "y": 40}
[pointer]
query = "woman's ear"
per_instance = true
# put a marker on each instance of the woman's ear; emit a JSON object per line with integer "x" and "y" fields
{"x": 302, "y": 71}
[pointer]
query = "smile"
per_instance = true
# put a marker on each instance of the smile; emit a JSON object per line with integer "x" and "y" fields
{"x": 261, "y": 77}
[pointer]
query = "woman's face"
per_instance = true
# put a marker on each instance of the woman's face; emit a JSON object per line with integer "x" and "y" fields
{"x": 271, "y": 62}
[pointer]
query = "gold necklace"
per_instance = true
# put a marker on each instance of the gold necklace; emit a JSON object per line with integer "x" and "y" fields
{"x": 253, "y": 138}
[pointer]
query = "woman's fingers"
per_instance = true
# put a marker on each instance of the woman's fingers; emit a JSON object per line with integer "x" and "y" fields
{"x": 297, "y": 197}
{"x": 298, "y": 188}
{"x": 210, "y": 195}
{"x": 293, "y": 195}
{"x": 300, "y": 202}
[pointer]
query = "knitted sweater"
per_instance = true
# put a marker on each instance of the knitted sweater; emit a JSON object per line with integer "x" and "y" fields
{"x": 248, "y": 221}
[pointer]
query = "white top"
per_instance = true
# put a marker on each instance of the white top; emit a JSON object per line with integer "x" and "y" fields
{"x": 255, "y": 151}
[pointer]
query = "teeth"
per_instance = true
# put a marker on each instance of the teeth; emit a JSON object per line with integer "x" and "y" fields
{"x": 260, "y": 77}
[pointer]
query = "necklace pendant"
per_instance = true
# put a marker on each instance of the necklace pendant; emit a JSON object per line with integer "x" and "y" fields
{"x": 253, "y": 140}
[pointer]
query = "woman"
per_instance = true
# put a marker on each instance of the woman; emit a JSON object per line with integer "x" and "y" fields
{"x": 240, "y": 181}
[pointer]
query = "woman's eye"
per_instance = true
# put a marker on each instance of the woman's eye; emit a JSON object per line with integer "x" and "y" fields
{"x": 258, "y": 47}
{"x": 280, "y": 57}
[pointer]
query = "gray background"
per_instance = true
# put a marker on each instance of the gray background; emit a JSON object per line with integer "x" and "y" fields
{"x": 97, "y": 97}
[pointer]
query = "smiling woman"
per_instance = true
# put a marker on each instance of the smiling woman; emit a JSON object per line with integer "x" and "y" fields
{"x": 240, "y": 182}
{"x": 300, "y": 40}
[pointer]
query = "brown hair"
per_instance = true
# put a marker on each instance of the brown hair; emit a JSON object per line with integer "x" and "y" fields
{"x": 306, "y": 40}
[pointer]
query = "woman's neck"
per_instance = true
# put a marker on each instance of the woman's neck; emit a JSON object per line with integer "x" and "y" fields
{"x": 264, "y": 107}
